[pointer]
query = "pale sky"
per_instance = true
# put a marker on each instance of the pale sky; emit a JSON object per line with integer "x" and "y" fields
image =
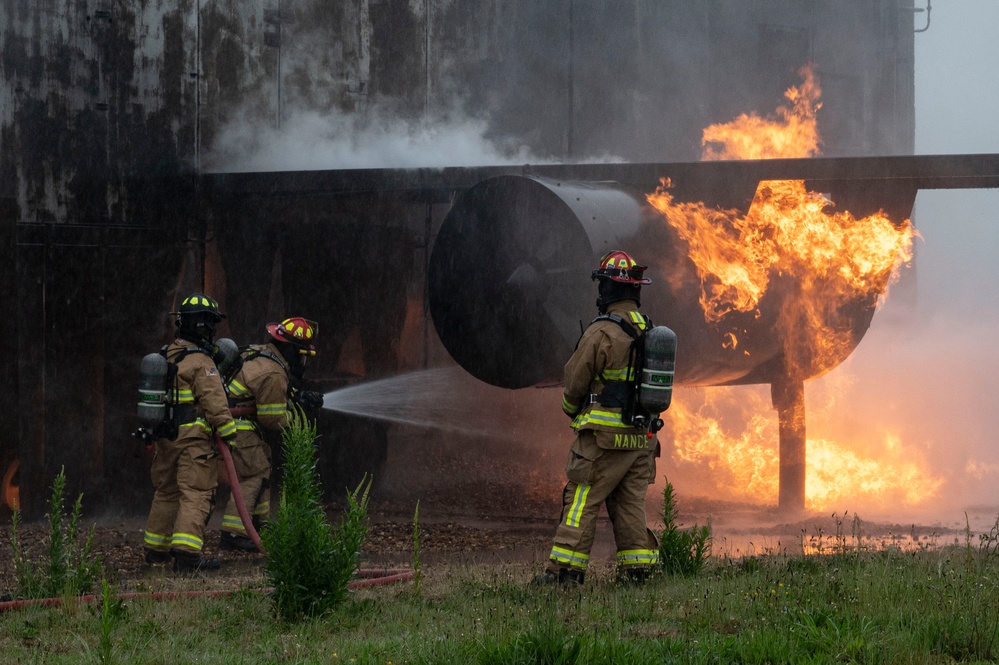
{"x": 932, "y": 376}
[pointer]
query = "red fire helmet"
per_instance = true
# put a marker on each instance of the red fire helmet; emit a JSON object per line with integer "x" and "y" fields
{"x": 620, "y": 267}
{"x": 296, "y": 331}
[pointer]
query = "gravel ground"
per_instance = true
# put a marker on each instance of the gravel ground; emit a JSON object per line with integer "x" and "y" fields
{"x": 484, "y": 509}
{"x": 389, "y": 543}
{"x": 452, "y": 533}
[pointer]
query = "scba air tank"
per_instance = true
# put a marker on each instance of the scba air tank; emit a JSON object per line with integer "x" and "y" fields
{"x": 656, "y": 389}
{"x": 153, "y": 387}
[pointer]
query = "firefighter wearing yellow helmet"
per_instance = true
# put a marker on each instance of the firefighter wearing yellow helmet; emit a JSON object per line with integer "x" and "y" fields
{"x": 612, "y": 460}
{"x": 184, "y": 471}
{"x": 262, "y": 384}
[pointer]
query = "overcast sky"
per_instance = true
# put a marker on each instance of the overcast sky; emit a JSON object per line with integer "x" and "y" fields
{"x": 933, "y": 374}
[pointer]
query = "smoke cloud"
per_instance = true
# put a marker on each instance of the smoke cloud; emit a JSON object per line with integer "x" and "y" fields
{"x": 311, "y": 140}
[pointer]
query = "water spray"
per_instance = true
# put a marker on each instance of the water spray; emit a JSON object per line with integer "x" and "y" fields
{"x": 437, "y": 398}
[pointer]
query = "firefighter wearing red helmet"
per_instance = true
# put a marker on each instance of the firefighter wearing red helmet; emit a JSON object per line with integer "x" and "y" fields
{"x": 184, "y": 469}
{"x": 262, "y": 383}
{"x": 611, "y": 461}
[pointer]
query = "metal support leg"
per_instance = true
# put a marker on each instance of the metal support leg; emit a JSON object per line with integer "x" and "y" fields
{"x": 788, "y": 397}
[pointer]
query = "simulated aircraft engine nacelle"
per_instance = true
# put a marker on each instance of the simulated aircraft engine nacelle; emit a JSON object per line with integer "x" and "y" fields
{"x": 510, "y": 287}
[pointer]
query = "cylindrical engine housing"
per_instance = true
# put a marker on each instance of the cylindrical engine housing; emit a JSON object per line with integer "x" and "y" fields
{"x": 510, "y": 289}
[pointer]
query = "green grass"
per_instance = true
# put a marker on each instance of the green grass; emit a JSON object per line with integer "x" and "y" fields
{"x": 887, "y": 606}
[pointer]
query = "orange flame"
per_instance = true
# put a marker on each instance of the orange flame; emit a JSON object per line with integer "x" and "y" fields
{"x": 832, "y": 258}
{"x": 727, "y": 435}
{"x": 828, "y": 260}
{"x": 793, "y": 134}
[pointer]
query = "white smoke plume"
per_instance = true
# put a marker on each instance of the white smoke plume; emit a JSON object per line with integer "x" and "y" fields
{"x": 311, "y": 140}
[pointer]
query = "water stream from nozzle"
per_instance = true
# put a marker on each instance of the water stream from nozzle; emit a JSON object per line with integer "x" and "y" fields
{"x": 441, "y": 398}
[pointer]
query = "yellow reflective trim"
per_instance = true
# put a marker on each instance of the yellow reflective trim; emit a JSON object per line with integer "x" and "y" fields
{"x": 238, "y": 389}
{"x": 563, "y": 555}
{"x": 597, "y": 417}
{"x": 638, "y": 320}
{"x": 188, "y": 539}
{"x": 226, "y": 430}
{"x": 200, "y": 422}
{"x": 578, "y": 502}
{"x": 638, "y": 557}
{"x": 156, "y": 540}
{"x": 232, "y": 522}
{"x": 616, "y": 374}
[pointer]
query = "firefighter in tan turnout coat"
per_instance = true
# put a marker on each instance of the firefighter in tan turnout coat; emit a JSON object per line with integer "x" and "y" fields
{"x": 184, "y": 469}
{"x": 611, "y": 461}
{"x": 263, "y": 383}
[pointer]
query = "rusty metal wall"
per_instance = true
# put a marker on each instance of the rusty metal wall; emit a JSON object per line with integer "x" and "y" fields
{"x": 108, "y": 106}
{"x": 98, "y": 89}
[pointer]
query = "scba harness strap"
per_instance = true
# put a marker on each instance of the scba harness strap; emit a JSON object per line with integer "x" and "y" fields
{"x": 238, "y": 391}
{"x": 621, "y": 386}
{"x": 252, "y": 353}
{"x": 180, "y": 406}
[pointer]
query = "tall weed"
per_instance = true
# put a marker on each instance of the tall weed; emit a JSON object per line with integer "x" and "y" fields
{"x": 309, "y": 562}
{"x": 681, "y": 552}
{"x": 417, "y": 571}
{"x": 112, "y": 612}
{"x": 71, "y": 569}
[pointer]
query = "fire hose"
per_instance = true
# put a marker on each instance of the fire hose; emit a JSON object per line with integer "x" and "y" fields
{"x": 237, "y": 493}
{"x": 369, "y": 577}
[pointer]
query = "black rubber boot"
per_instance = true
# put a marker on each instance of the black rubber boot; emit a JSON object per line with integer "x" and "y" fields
{"x": 190, "y": 562}
{"x": 236, "y": 542}
{"x": 563, "y": 577}
{"x": 259, "y": 522}
{"x": 154, "y": 557}
{"x": 633, "y": 576}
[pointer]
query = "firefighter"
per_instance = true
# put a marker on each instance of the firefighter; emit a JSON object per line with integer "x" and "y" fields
{"x": 184, "y": 469}
{"x": 611, "y": 461}
{"x": 262, "y": 384}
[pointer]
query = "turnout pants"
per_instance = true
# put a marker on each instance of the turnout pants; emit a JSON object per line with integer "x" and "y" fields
{"x": 184, "y": 474}
{"x": 618, "y": 478}
{"x": 253, "y": 469}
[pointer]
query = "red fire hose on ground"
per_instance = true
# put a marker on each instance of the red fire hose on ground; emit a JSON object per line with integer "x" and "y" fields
{"x": 369, "y": 577}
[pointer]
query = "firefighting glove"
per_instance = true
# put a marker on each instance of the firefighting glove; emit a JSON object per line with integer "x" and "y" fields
{"x": 231, "y": 440}
{"x": 310, "y": 400}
